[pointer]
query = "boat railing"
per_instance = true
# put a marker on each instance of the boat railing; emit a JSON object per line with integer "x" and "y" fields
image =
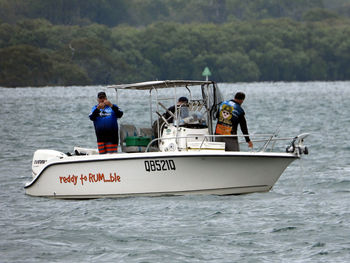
{"x": 269, "y": 139}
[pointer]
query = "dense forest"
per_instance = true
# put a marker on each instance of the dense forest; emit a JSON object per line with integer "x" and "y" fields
{"x": 71, "y": 42}
{"x": 144, "y": 12}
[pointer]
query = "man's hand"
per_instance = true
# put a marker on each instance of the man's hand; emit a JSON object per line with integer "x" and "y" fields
{"x": 108, "y": 103}
{"x": 101, "y": 105}
{"x": 250, "y": 144}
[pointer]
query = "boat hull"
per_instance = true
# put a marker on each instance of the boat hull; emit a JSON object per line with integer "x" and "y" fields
{"x": 123, "y": 175}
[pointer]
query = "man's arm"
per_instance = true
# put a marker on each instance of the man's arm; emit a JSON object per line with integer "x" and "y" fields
{"x": 115, "y": 108}
{"x": 94, "y": 113}
{"x": 167, "y": 114}
{"x": 117, "y": 111}
{"x": 244, "y": 128}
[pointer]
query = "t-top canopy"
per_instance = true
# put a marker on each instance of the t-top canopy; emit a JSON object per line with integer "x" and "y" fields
{"x": 160, "y": 84}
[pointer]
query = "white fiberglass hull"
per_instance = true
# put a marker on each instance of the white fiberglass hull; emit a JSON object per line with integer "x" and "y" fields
{"x": 154, "y": 174}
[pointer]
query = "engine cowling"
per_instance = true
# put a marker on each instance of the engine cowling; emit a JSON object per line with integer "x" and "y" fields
{"x": 42, "y": 157}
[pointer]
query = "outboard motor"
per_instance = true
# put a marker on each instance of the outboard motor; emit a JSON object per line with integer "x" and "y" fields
{"x": 41, "y": 157}
{"x": 297, "y": 145}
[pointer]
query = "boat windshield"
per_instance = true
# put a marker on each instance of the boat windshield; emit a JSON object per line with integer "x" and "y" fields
{"x": 191, "y": 117}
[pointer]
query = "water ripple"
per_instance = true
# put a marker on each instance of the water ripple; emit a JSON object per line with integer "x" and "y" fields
{"x": 304, "y": 218}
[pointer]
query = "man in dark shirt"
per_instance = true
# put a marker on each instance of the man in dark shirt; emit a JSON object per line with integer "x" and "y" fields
{"x": 105, "y": 115}
{"x": 181, "y": 101}
{"x": 229, "y": 115}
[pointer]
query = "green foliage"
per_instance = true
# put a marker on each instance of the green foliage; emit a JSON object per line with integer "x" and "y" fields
{"x": 319, "y": 14}
{"x": 24, "y": 65}
{"x": 235, "y": 67}
{"x": 145, "y": 12}
{"x": 39, "y": 52}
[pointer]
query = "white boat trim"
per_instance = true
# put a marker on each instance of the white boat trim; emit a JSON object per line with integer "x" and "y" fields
{"x": 148, "y": 85}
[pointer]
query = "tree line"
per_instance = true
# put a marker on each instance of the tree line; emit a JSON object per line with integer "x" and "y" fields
{"x": 144, "y": 12}
{"x": 38, "y": 53}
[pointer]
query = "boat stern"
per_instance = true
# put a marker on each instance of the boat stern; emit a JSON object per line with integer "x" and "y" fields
{"x": 42, "y": 157}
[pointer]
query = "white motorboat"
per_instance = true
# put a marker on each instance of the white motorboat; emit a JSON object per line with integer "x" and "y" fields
{"x": 183, "y": 159}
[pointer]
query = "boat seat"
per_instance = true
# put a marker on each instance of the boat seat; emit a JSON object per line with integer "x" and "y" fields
{"x": 148, "y": 132}
{"x": 129, "y": 130}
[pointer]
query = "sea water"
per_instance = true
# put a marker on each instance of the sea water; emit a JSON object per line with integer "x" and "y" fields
{"x": 304, "y": 218}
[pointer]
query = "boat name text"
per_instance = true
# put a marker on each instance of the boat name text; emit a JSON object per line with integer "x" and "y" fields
{"x": 159, "y": 165}
{"x": 91, "y": 178}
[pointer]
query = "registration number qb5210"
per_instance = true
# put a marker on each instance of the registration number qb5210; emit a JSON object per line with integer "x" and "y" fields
{"x": 159, "y": 165}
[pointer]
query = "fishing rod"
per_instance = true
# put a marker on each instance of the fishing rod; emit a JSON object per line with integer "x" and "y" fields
{"x": 271, "y": 137}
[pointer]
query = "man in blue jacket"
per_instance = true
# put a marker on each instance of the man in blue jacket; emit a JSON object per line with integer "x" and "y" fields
{"x": 105, "y": 115}
{"x": 229, "y": 115}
